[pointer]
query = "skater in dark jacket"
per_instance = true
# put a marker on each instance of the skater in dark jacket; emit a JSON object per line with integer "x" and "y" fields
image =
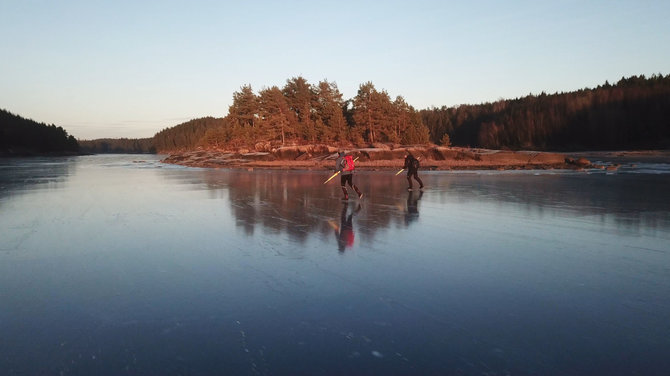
{"x": 345, "y": 165}
{"x": 412, "y": 167}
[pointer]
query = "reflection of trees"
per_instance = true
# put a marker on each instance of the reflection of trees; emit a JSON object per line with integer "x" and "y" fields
{"x": 291, "y": 202}
{"x": 298, "y": 203}
{"x": 275, "y": 202}
{"x": 630, "y": 201}
{"x": 383, "y": 204}
{"x": 17, "y": 174}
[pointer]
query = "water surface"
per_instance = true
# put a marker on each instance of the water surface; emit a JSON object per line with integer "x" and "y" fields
{"x": 117, "y": 265}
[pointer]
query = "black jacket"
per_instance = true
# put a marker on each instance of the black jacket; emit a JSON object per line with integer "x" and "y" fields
{"x": 411, "y": 164}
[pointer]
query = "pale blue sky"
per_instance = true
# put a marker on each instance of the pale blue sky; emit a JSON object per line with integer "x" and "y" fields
{"x": 131, "y": 68}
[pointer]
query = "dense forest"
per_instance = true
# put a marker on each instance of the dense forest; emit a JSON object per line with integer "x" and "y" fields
{"x": 301, "y": 113}
{"x": 19, "y": 136}
{"x": 189, "y": 135}
{"x": 118, "y": 145}
{"x": 633, "y": 113}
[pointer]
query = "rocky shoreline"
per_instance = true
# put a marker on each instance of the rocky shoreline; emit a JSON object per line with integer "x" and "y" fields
{"x": 379, "y": 158}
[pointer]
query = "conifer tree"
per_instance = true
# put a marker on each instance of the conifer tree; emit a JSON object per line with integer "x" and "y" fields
{"x": 373, "y": 111}
{"x": 299, "y": 96}
{"x": 330, "y": 122}
{"x": 401, "y": 118}
{"x": 363, "y": 110}
{"x": 244, "y": 109}
{"x": 275, "y": 115}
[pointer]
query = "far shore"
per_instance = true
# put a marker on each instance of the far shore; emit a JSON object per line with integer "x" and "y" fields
{"x": 321, "y": 157}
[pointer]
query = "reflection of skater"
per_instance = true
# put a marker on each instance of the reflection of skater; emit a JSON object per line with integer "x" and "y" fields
{"x": 345, "y": 232}
{"x": 345, "y": 164}
{"x": 412, "y": 166}
{"x": 412, "y": 213}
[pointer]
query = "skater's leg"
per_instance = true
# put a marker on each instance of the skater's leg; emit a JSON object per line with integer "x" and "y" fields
{"x": 343, "y": 182}
{"x": 416, "y": 176}
{"x": 358, "y": 192}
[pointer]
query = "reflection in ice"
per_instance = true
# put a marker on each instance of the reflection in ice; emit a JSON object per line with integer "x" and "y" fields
{"x": 123, "y": 265}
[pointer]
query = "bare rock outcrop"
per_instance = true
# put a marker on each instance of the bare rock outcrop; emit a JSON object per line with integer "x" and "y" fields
{"x": 388, "y": 156}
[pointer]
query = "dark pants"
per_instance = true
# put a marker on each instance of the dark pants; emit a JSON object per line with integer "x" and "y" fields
{"x": 348, "y": 179}
{"x": 413, "y": 174}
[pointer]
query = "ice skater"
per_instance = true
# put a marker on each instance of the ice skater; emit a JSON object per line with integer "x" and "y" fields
{"x": 345, "y": 166}
{"x": 412, "y": 166}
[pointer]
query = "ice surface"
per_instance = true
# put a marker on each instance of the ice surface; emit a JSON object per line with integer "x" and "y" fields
{"x": 123, "y": 265}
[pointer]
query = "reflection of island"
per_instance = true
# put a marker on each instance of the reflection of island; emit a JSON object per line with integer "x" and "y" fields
{"x": 412, "y": 213}
{"x": 345, "y": 231}
{"x": 298, "y": 204}
{"x": 280, "y": 202}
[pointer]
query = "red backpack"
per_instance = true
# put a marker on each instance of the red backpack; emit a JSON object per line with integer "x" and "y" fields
{"x": 348, "y": 163}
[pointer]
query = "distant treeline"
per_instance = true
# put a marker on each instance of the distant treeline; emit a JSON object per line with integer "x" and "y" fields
{"x": 118, "y": 145}
{"x": 19, "y": 136}
{"x": 188, "y": 135}
{"x": 634, "y": 113}
{"x": 300, "y": 113}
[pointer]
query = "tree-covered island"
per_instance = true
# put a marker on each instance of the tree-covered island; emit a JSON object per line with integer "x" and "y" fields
{"x": 303, "y": 122}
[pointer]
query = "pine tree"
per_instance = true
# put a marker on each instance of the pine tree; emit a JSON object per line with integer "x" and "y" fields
{"x": 299, "y": 96}
{"x": 363, "y": 110}
{"x": 244, "y": 109}
{"x": 275, "y": 115}
{"x": 374, "y": 112}
{"x": 330, "y": 122}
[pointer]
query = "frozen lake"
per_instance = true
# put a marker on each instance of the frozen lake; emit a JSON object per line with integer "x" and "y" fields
{"x": 115, "y": 265}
